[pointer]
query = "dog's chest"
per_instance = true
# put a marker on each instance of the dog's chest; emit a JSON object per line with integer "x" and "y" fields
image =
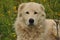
{"x": 32, "y": 35}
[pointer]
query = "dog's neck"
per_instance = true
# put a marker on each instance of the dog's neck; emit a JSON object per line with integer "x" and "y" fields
{"x": 32, "y": 32}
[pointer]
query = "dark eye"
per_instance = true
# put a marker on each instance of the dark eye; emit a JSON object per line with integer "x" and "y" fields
{"x": 42, "y": 14}
{"x": 35, "y": 12}
{"x": 27, "y": 12}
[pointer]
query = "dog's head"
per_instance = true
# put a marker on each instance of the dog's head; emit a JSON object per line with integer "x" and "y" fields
{"x": 31, "y": 13}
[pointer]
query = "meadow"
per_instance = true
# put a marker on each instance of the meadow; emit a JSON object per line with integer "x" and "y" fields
{"x": 8, "y": 13}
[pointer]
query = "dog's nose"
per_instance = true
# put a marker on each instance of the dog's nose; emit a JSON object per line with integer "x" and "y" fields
{"x": 31, "y": 21}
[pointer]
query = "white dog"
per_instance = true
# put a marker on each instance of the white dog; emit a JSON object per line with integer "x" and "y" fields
{"x": 31, "y": 23}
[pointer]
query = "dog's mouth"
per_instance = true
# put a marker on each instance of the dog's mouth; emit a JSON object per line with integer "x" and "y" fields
{"x": 31, "y": 25}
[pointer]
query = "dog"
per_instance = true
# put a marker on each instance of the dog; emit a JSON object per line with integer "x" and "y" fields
{"x": 31, "y": 23}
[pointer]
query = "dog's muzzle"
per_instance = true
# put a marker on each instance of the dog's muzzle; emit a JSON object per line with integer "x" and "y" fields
{"x": 31, "y": 21}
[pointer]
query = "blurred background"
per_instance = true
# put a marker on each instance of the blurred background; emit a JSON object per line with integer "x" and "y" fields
{"x": 8, "y": 13}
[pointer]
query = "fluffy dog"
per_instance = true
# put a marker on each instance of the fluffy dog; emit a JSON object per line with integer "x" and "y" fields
{"x": 31, "y": 23}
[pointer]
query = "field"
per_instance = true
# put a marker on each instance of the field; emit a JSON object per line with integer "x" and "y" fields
{"x": 8, "y": 13}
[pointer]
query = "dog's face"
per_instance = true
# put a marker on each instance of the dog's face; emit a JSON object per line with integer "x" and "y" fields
{"x": 31, "y": 13}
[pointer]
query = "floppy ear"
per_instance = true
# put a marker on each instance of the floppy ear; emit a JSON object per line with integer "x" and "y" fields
{"x": 20, "y": 8}
{"x": 42, "y": 7}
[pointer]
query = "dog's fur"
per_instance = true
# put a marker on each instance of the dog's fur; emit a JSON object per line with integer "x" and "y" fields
{"x": 43, "y": 29}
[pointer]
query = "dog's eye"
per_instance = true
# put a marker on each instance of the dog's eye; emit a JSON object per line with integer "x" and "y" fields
{"x": 42, "y": 14}
{"x": 35, "y": 12}
{"x": 27, "y": 12}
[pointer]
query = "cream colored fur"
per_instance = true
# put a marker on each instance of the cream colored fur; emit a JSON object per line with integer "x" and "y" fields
{"x": 44, "y": 29}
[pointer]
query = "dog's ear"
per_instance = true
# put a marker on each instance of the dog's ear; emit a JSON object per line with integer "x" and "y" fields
{"x": 42, "y": 7}
{"x": 20, "y": 8}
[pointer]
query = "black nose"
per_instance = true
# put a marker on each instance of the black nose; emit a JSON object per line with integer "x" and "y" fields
{"x": 31, "y": 21}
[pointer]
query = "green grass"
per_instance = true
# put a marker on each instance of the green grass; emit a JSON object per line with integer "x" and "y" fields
{"x": 8, "y": 12}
